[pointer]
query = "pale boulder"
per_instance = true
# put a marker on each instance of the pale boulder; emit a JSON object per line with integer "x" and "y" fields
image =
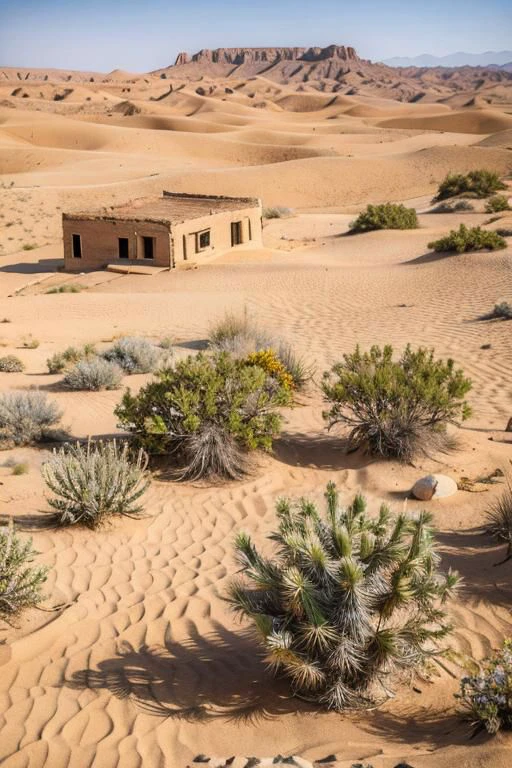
{"x": 434, "y": 487}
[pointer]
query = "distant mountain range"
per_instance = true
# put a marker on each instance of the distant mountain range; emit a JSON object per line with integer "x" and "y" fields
{"x": 460, "y": 59}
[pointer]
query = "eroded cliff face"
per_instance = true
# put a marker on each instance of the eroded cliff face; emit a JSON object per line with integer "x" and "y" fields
{"x": 238, "y": 56}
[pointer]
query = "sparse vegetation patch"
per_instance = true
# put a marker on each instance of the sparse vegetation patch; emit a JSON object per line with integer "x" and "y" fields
{"x": 11, "y": 364}
{"x": 385, "y": 216}
{"x": 463, "y": 240}
{"x": 20, "y": 582}
{"x": 478, "y": 183}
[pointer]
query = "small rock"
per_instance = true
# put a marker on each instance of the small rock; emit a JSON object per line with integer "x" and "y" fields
{"x": 508, "y": 428}
{"x": 486, "y": 346}
{"x": 434, "y": 487}
{"x": 201, "y": 759}
{"x": 252, "y": 761}
{"x": 403, "y": 765}
{"x": 328, "y": 759}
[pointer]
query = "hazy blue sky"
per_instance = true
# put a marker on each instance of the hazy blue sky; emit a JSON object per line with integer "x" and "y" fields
{"x": 140, "y": 35}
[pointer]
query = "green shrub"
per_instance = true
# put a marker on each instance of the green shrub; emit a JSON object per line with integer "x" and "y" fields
{"x": 20, "y": 468}
{"x": 346, "y": 601}
{"x": 91, "y": 482}
{"x": 69, "y": 288}
{"x": 20, "y": 583}
{"x": 134, "y": 355}
{"x": 501, "y": 311}
{"x": 497, "y": 203}
{"x": 464, "y": 239}
{"x": 61, "y": 361}
{"x": 26, "y": 418}
{"x": 385, "y": 216}
{"x": 208, "y": 412}
{"x": 11, "y": 364}
{"x": 396, "y": 408}
{"x": 93, "y": 375}
{"x": 479, "y": 183}
{"x": 486, "y": 697}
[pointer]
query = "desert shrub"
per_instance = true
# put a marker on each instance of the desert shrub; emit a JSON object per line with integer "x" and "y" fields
{"x": 69, "y": 288}
{"x": 277, "y": 212}
{"x": 20, "y": 583}
{"x": 497, "y": 203}
{"x": 11, "y": 364}
{"x": 478, "y": 183}
{"x": 20, "y": 468}
{"x": 134, "y": 355}
{"x": 453, "y": 207}
{"x": 464, "y": 239}
{"x": 30, "y": 343}
{"x": 208, "y": 412}
{"x": 299, "y": 369}
{"x": 26, "y": 417}
{"x": 93, "y": 374}
{"x": 486, "y": 697}
{"x": 499, "y": 519}
{"x": 395, "y": 408}
{"x": 166, "y": 343}
{"x": 61, "y": 361}
{"x": 270, "y": 363}
{"x": 346, "y": 600}
{"x": 501, "y": 311}
{"x": 385, "y": 216}
{"x": 240, "y": 337}
{"x": 94, "y": 481}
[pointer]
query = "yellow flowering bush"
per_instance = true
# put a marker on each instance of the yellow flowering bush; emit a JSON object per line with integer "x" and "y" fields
{"x": 268, "y": 360}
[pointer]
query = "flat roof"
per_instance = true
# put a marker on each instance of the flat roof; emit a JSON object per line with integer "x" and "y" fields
{"x": 170, "y": 208}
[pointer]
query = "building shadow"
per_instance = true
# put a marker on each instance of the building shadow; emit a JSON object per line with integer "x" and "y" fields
{"x": 216, "y": 676}
{"x": 33, "y": 268}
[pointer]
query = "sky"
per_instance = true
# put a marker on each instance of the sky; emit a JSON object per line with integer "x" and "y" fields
{"x": 142, "y": 35}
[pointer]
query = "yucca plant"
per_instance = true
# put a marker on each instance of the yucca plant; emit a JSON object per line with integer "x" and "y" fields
{"x": 20, "y": 583}
{"x": 94, "y": 481}
{"x": 347, "y": 601}
{"x": 499, "y": 519}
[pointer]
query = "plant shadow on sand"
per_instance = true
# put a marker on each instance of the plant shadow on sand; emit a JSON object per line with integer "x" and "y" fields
{"x": 222, "y": 676}
{"x": 216, "y": 675}
{"x": 327, "y": 451}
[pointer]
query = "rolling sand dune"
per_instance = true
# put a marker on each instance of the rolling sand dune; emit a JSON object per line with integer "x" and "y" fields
{"x": 141, "y": 663}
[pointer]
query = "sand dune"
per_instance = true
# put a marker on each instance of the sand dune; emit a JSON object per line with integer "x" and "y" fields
{"x": 145, "y": 666}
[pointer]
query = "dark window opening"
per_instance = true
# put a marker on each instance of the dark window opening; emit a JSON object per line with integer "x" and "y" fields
{"x": 123, "y": 248}
{"x": 203, "y": 240}
{"x": 148, "y": 247}
{"x": 249, "y": 228}
{"x": 185, "y": 247}
{"x": 77, "y": 246}
{"x": 236, "y": 233}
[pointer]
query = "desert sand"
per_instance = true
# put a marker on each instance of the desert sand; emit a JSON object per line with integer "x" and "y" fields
{"x": 137, "y": 660}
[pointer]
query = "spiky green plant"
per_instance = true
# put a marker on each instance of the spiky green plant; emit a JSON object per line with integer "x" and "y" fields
{"x": 347, "y": 601}
{"x": 94, "y": 481}
{"x": 20, "y": 583}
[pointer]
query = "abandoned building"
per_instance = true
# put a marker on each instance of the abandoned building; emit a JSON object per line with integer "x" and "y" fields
{"x": 162, "y": 232}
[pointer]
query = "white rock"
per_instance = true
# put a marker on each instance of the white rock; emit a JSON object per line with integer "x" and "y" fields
{"x": 434, "y": 487}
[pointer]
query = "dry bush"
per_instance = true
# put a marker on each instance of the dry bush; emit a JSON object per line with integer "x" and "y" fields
{"x": 94, "y": 481}
{"x": 11, "y": 364}
{"x": 20, "y": 582}
{"x": 94, "y": 375}
{"x": 134, "y": 355}
{"x": 26, "y": 418}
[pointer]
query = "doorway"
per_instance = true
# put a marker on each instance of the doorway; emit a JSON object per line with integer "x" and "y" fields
{"x": 148, "y": 247}
{"x": 123, "y": 248}
{"x": 236, "y": 233}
